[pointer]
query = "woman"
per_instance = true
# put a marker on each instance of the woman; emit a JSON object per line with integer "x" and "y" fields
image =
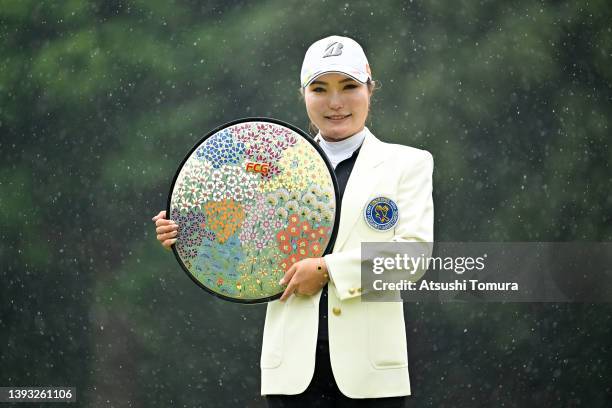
{"x": 359, "y": 347}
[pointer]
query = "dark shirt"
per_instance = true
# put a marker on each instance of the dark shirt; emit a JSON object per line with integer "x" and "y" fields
{"x": 343, "y": 172}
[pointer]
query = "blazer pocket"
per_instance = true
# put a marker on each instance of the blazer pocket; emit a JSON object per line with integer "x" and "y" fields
{"x": 386, "y": 335}
{"x": 273, "y": 337}
{"x": 275, "y": 328}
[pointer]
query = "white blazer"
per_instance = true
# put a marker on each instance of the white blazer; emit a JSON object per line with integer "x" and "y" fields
{"x": 367, "y": 340}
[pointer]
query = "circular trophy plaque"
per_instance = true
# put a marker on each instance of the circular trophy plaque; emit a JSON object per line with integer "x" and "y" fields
{"x": 251, "y": 198}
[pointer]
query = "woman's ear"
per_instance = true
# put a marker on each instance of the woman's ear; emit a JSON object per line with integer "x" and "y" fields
{"x": 372, "y": 87}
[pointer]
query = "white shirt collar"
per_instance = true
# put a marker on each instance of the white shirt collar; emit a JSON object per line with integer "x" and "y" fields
{"x": 342, "y": 150}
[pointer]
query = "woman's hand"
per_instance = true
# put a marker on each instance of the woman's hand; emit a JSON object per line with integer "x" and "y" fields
{"x": 305, "y": 277}
{"x": 167, "y": 230}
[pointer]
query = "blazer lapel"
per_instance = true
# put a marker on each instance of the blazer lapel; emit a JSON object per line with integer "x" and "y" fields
{"x": 359, "y": 186}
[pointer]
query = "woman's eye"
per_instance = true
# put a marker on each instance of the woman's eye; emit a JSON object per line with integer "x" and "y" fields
{"x": 350, "y": 86}
{"x": 318, "y": 89}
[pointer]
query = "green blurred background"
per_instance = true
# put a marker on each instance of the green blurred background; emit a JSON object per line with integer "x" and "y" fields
{"x": 99, "y": 101}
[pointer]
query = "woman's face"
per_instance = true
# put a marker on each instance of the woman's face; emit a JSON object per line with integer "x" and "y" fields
{"x": 337, "y": 105}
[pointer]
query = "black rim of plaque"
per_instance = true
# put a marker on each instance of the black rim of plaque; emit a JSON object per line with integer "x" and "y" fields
{"x": 310, "y": 140}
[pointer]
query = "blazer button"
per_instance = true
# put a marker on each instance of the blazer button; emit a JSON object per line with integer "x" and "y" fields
{"x": 336, "y": 311}
{"x": 351, "y": 291}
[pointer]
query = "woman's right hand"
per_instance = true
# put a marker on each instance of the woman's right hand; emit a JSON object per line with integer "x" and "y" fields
{"x": 166, "y": 230}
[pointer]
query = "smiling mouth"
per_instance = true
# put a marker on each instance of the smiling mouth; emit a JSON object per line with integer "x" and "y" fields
{"x": 337, "y": 117}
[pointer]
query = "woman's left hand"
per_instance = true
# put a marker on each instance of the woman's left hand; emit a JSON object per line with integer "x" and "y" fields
{"x": 305, "y": 277}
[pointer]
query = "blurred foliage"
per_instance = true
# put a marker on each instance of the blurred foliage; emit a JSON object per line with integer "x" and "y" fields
{"x": 99, "y": 101}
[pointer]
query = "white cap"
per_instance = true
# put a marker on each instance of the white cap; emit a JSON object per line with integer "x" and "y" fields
{"x": 335, "y": 54}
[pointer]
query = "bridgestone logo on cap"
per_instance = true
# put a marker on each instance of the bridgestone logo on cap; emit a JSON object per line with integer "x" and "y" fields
{"x": 333, "y": 50}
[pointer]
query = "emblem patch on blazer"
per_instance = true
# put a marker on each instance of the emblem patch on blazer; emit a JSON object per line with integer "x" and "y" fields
{"x": 381, "y": 214}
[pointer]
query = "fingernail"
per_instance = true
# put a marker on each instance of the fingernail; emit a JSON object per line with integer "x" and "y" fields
{"x": 281, "y": 282}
